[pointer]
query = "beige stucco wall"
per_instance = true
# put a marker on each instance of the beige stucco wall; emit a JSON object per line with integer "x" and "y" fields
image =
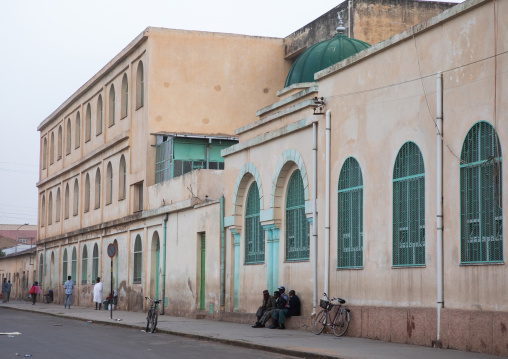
{"x": 21, "y": 270}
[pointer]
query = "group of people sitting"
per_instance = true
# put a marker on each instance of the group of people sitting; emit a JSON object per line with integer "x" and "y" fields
{"x": 277, "y": 307}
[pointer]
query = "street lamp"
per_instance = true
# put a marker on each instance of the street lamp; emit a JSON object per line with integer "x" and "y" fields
{"x": 25, "y": 224}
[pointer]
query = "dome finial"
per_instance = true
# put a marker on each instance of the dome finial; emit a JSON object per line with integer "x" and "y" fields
{"x": 340, "y": 29}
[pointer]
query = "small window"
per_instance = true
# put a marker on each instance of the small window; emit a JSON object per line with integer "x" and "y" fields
{"x": 122, "y": 178}
{"x": 138, "y": 196}
{"x": 75, "y": 201}
{"x": 60, "y": 141}
{"x": 140, "y": 86}
{"x": 74, "y": 265}
{"x": 44, "y": 153}
{"x": 68, "y": 138}
{"x": 52, "y": 149}
{"x": 64, "y": 266}
{"x": 58, "y": 205}
{"x": 77, "y": 132}
{"x": 99, "y": 121}
{"x": 66, "y": 204}
{"x": 125, "y": 97}
{"x": 109, "y": 184}
{"x": 137, "y": 260}
{"x": 50, "y": 209}
{"x": 98, "y": 188}
{"x": 43, "y": 211}
{"x": 112, "y": 105}
{"x": 95, "y": 263}
{"x": 87, "y": 193}
{"x": 84, "y": 266}
{"x": 88, "y": 123}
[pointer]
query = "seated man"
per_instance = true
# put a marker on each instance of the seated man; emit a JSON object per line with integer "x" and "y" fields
{"x": 266, "y": 306}
{"x": 280, "y": 304}
{"x": 291, "y": 310}
{"x": 268, "y": 313}
{"x": 49, "y": 296}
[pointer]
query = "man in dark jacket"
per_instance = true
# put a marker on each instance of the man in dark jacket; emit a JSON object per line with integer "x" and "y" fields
{"x": 265, "y": 311}
{"x": 292, "y": 309}
{"x": 280, "y": 304}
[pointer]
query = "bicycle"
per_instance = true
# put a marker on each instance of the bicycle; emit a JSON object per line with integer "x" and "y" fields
{"x": 340, "y": 321}
{"x": 153, "y": 314}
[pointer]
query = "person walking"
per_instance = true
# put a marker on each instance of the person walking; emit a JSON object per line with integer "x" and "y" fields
{"x": 9, "y": 286}
{"x": 69, "y": 286}
{"x": 97, "y": 293}
{"x": 34, "y": 290}
{"x": 4, "y": 290}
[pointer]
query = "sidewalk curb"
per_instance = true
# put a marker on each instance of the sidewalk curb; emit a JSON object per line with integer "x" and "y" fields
{"x": 236, "y": 343}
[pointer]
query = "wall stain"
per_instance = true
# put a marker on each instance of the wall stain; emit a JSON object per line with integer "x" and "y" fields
{"x": 217, "y": 88}
{"x": 503, "y": 328}
{"x": 410, "y": 325}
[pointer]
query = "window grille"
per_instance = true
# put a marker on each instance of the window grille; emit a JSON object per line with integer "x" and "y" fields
{"x": 137, "y": 260}
{"x": 481, "y": 213}
{"x": 95, "y": 263}
{"x": 163, "y": 158}
{"x": 64, "y": 266}
{"x": 409, "y": 207}
{"x": 350, "y": 216}
{"x": 84, "y": 266}
{"x": 254, "y": 233}
{"x": 74, "y": 265}
{"x": 297, "y": 226}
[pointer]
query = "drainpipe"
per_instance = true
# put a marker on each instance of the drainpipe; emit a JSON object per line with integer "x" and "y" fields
{"x": 349, "y": 18}
{"x": 327, "y": 202}
{"x": 314, "y": 217}
{"x": 44, "y": 272}
{"x": 439, "y": 198}
{"x": 208, "y": 153}
{"x": 164, "y": 226}
{"x": 222, "y": 254}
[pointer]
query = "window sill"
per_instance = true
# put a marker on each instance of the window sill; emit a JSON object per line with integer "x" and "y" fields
{"x": 136, "y": 282}
{"x": 403, "y": 266}
{"x": 57, "y": 221}
{"x": 97, "y": 207}
{"x": 74, "y": 214}
{"x": 123, "y": 117}
{"x": 66, "y": 218}
{"x": 86, "y": 211}
{"x": 98, "y": 134}
{"x": 137, "y": 108}
{"x": 253, "y": 263}
{"x": 67, "y": 154}
{"x": 482, "y": 264}
{"x": 296, "y": 260}
{"x": 59, "y": 158}
{"x": 121, "y": 199}
{"x": 109, "y": 126}
{"x": 107, "y": 204}
{"x": 348, "y": 268}
{"x": 88, "y": 140}
{"x": 76, "y": 147}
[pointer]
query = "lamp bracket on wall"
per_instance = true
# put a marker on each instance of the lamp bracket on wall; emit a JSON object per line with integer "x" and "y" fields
{"x": 319, "y": 105}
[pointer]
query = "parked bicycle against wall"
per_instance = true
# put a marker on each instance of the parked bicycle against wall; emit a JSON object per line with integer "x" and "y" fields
{"x": 153, "y": 314}
{"x": 340, "y": 321}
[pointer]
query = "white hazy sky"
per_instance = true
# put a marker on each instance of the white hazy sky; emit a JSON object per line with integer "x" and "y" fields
{"x": 50, "y": 48}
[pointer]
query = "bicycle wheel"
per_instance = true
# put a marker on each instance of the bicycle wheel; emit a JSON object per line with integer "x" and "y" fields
{"x": 154, "y": 321}
{"x": 341, "y": 323}
{"x": 148, "y": 320}
{"x": 320, "y": 322}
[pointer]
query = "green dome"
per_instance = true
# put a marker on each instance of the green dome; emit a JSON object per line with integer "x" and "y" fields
{"x": 321, "y": 55}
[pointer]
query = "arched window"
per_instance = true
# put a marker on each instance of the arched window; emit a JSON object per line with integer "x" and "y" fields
{"x": 44, "y": 153}
{"x": 350, "y": 216}
{"x": 254, "y": 233}
{"x": 112, "y": 105}
{"x": 122, "y": 177}
{"x": 77, "y": 138}
{"x": 58, "y": 205}
{"x": 297, "y": 226}
{"x": 64, "y": 266}
{"x": 50, "y": 208}
{"x": 41, "y": 269}
{"x": 125, "y": 97}
{"x": 52, "y": 149}
{"x": 409, "y": 207}
{"x": 140, "y": 86}
{"x": 66, "y": 204}
{"x": 75, "y": 201}
{"x": 98, "y": 123}
{"x": 109, "y": 183}
{"x": 88, "y": 123}
{"x": 137, "y": 260}
{"x": 74, "y": 265}
{"x": 87, "y": 193}
{"x": 60, "y": 142}
{"x": 84, "y": 266}
{"x": 43, "y": 211}
{"x": 98, "y": 188}
{"x": 68, "y": 137}
{"x": 481, "y": 212}
{"x": 95, "y": 263}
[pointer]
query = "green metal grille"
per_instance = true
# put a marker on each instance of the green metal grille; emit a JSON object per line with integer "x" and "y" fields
{"x": 350, "y": 216}
{"x": 481, "y": 213}
{"x": 84, "y": 266}
{"x": 254, "y": 233}
{"x": 74, "y": 265}
{"x": 163, "y": 159}
{"x": 297, "y": 226}
{"x": 64, "y": 266}
{"x": 95, "y": 263}
{"x": 41, "y": 269}
{"x": 137, "y": 260}
{"x": 409, "y": 207}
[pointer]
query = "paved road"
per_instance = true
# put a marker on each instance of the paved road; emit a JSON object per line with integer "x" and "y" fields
{"x": 52, "y": 337}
